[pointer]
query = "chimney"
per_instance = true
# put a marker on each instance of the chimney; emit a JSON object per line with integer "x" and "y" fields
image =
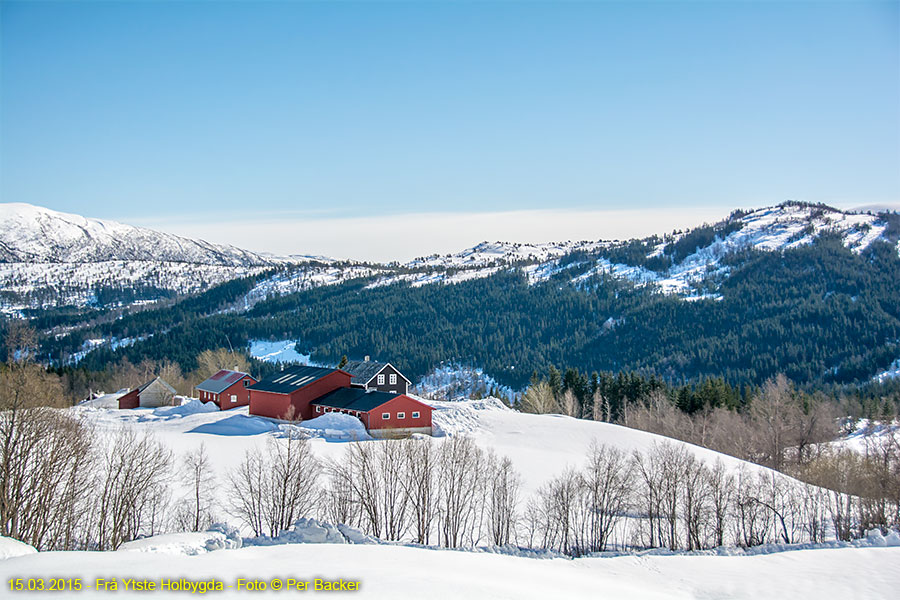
{"x": 366, "y": 359}
{"x": 236, "y": 368}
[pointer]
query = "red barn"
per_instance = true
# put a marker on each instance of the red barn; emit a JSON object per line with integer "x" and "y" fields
{"x": 383, "y": 413}
{"x": 288, "y": 394}
{"x": 228, "y": 389}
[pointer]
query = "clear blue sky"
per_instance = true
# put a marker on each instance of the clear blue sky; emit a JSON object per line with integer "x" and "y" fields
{"x": 132, "y": 110}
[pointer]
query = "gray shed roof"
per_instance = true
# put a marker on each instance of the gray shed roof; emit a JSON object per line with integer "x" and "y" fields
{"x": 292, "y": 378}
{"x": 355, "y": 399}
{"x": 364, "y": 370}
{"x": 149, "y": 383}
{"x": 221, "y": 381}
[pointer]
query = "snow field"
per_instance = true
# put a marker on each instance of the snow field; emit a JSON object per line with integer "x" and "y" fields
{"x": 404, "y": 572}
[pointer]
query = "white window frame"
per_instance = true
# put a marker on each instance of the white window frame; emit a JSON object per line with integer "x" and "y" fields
{"x": 401, "y": 415}
{"x": 381, "y": 379}
{"x": 393, "y": 379}
{"x": 319, "y": 409}
{"x": 234, "y": 399}
{"x": 415, "y": 415}
{"x": 385, "y": 416}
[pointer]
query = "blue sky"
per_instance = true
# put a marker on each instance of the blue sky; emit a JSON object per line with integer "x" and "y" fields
{"x": 197, "y": 117}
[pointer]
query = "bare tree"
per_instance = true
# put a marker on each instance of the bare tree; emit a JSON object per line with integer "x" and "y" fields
{"x": 570, "y": 405}
{"x": 460, "y": 492}
{"x": 273, "y": 490}
{"x": 540, "y": 399}
{"x": 776, "y": 416}
{"x": 696, "y": 502}
{"x": 721, "y": 496}
{"x": 198, "y": 477}
{"x": 134, "y": 476}
{"x": 607, "y": 480}
{"x": 420, "y": 485}
{"x": 503, "y": 498}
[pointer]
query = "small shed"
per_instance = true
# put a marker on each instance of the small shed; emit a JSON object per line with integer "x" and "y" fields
{"x": 227, "y": 389}
{"x": 152, "y": 394}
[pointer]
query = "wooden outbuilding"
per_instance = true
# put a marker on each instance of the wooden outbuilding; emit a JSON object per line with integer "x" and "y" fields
{"x": 153, "y": 394}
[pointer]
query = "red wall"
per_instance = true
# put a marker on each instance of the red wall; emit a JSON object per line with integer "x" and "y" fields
{"x": 237, "y": 388}
{"x": 400, "y": 404}
{"x": 271, "y": 404}
{"x": 130, "y": 400}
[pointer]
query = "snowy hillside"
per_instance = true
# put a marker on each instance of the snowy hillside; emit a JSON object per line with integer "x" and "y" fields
{"x": 769, "y": 229}
{"x": 49, "y": 258}
{"x": 540, "y": 446}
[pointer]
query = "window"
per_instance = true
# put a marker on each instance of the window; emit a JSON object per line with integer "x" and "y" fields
{"x": 401, "y": 415}
{"x": 381, "y": 379}
{"x": 393, "y": 379}
{"x": 246, "y": 383}
{"x": 233, "y": 399}
{"x": 415, "y": 415}
{"x": 386, "y": 416}
{"x": 318, "y": 409}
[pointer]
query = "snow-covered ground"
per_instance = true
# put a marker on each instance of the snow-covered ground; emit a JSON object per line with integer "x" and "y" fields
{"x": 277, "y": 351}
{"x": 405, "y": 572}
{"x": 540, "y": 446}
{"x": 867, "y": 435}
{"x": 892, "y": 372}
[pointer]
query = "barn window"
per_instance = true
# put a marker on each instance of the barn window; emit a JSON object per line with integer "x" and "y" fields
{"x": 381, "y": 379}
{"x": 401, "y": 415}
{"x": 385, "y": 416}
{"x": 246, "y": 383}
{"x": 393, "y": 379}
{"x": 415, "y": 415}
{"x": 318, "y": 409}
{"x": 233, "y": 399}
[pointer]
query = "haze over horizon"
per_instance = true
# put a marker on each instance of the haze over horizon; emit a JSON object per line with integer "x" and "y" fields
{"x": 314, "y": 128}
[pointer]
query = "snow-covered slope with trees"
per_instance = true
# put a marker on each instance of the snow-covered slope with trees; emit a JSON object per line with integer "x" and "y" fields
{"x": 51, "y": 258}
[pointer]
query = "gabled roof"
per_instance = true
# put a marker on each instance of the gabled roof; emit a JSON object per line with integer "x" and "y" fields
{"x": 355, "y": 399}
{"x": 358, "y": 399}
{"x": 291, "y": 378}
{"x": 146, "y": 385}
{"x": 221, "y": 381}
{"x": 363, "y": 371}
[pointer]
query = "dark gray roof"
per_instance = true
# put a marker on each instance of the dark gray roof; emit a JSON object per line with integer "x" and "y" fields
{"x": 364, "y": 370}
{"x": 292, "y": 378}
{"x": 355, "y": 399}
{"x": 221, "y": 381}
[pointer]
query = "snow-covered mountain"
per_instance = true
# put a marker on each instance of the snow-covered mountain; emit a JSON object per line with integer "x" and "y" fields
{"x": 32, "y": 234}
{"x": 49, "y": 258}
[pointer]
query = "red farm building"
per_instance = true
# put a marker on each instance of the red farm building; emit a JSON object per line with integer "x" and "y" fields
{"x": 227, "y": 389}
{"x": 288, "y": 394}
{"x": 309, "y": 392}
{"x": 383, "y": 413}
